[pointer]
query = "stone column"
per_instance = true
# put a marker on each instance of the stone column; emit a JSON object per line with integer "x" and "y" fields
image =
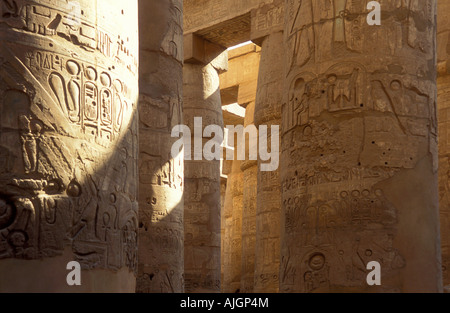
{"x": 232, "y": 262}
{"x": 249, "y": 169}
{"x": 161, "y": 255}
{"x": 359, "y": 148}
{"x": 68, "y": 145}
{"x": 238, "y": 86}
{"x": 267, "y": 31}
{"x": 202, "y": 187}
{"x": 233, "y": 209}
{"x": 223, "y": 191}
{"x": 225, "y": 224}
{"x": 268, "y": 203}
{"x": 443, "y": 81}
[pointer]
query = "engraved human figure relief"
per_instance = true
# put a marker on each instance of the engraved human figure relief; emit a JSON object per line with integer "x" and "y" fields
{"x": 359, "y": 131}
{"x": 68, "y": 133}
{"x": 340, "y": 88}
{"x": 345, "y": 29}
{"x": 301, "y": 42}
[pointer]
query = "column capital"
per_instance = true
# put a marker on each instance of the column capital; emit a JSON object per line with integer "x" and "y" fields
{"x": 199, "y": 50}
{"x": 266, "y": 20}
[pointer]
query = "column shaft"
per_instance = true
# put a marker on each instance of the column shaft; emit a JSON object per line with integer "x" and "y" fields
{"x": 250, "y": 177}
{"x": 443, "y": 82}
{"x": 359, "y": 148}
{"x": 268, "y": 204}
{"x": 68, "y": 142}
{"x": 202, "y": 190}
{"x": 233, "y": 230}
{"x": 161, "y": 255}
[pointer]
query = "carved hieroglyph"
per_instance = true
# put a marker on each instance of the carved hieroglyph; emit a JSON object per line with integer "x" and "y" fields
{"x": 161, "y": 182}
{"x": 68, "y": 133}
{"x": 443, "y": 81}
{"x": 268, "y": 205}
{"x": 202, "y": 184}
{"x": 359, "y": 148}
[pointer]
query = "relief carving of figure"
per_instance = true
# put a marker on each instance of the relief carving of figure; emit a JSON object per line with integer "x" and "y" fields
{"x": 301, "y": 34}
